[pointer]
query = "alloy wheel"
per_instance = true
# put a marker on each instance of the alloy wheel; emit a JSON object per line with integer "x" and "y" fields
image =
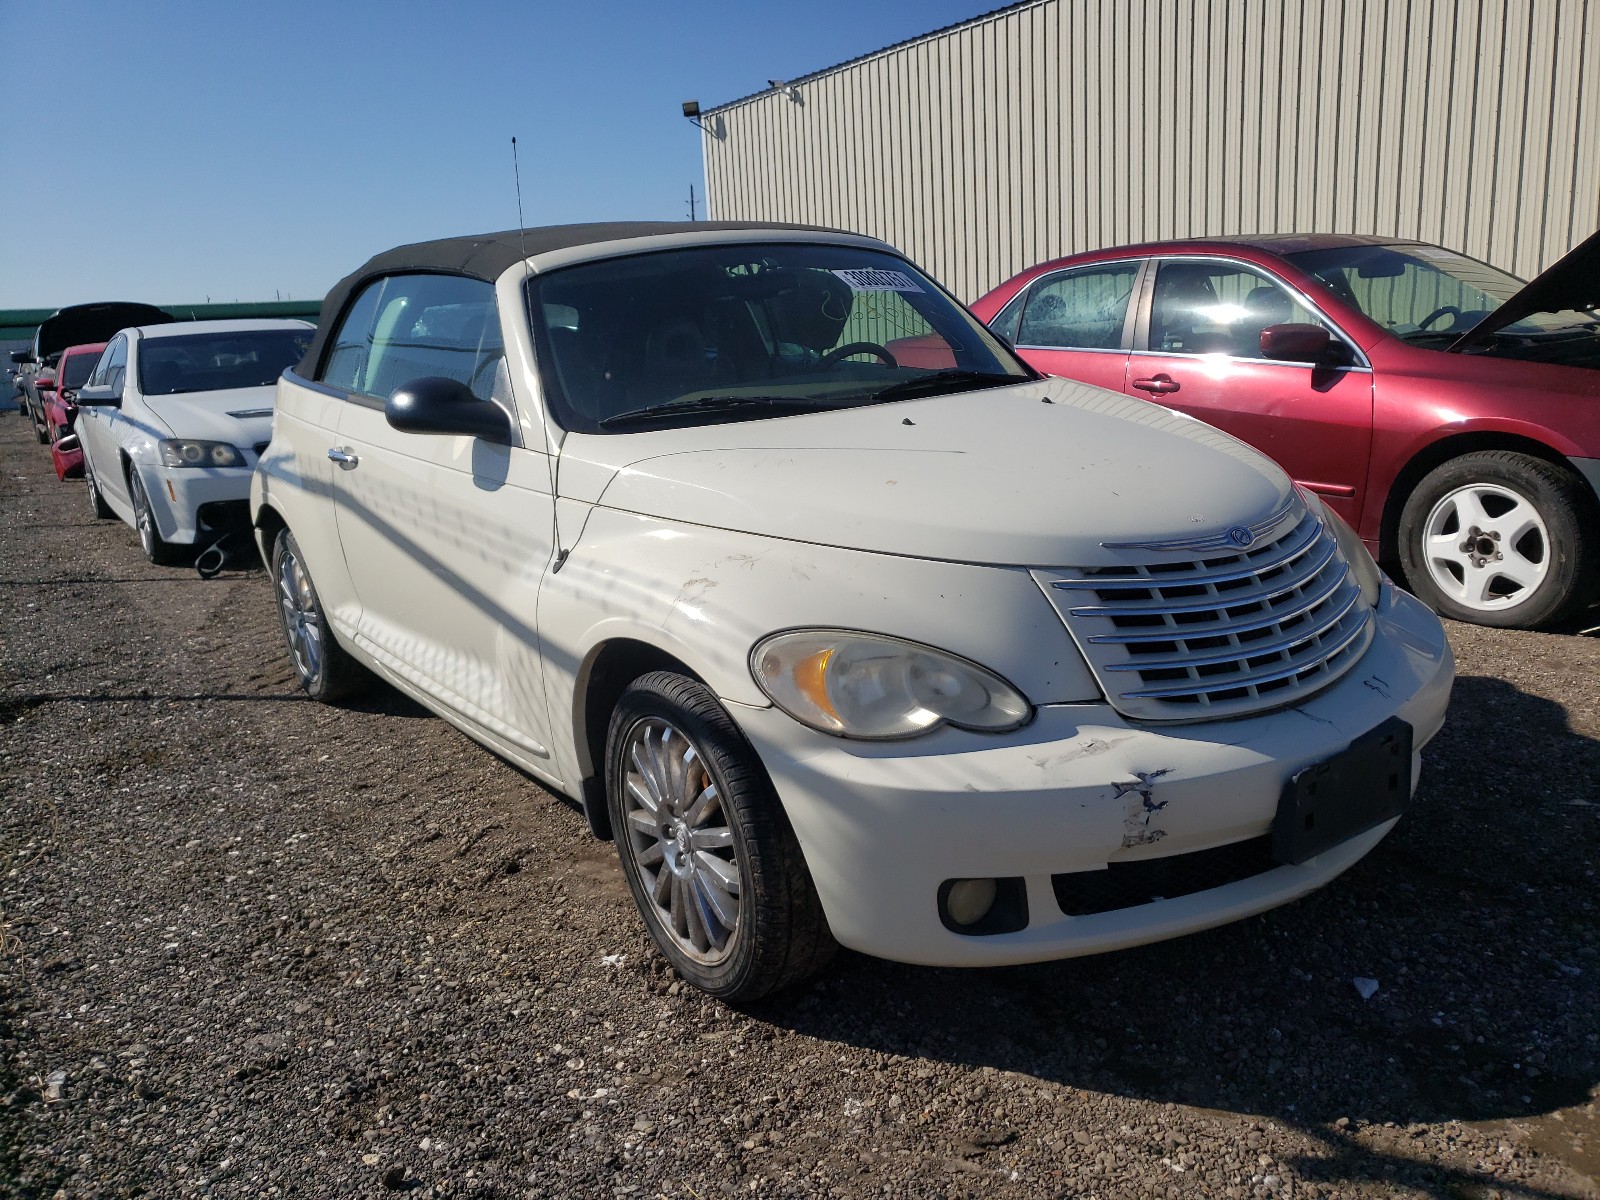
{"x": 298, "y": 604}
{"x": 681, "y": 841}
{"x": 142, "y": 516}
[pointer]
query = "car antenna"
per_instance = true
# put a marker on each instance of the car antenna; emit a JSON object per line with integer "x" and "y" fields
{"x": 522, "y": 230}
{"x": 549, "y": 455}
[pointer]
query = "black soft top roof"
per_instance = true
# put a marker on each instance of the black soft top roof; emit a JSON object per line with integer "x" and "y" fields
{"x": 487, "y": 256}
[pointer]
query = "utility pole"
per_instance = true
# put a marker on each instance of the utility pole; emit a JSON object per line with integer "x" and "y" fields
{"x": 692, "y": 217}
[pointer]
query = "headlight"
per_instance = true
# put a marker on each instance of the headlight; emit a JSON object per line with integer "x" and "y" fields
{"x": 866, "y": 685}
{"x": 182, "y": 452}
{"x": 1368, "y": 576}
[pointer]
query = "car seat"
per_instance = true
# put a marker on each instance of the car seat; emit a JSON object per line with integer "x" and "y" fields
{"x": 161, "y": 377}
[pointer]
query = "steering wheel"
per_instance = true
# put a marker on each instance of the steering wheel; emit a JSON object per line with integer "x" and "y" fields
{"x": 839, "y": 353}
{"x": 1444, "y": 310}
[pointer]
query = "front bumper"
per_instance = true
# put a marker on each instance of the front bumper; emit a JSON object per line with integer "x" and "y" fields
{"x": 882, "y": 825}
{"x": 67, "y": 457}
{"x": 197, "y": 504}
{"x": 1589, "y": 468}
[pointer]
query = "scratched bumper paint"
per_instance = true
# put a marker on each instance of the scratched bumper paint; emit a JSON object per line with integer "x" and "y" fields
{"x": 882, "y": 825}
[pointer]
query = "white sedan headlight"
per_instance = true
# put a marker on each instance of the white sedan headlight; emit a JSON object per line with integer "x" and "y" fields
{"x": 186, "y": 452}
{"x": 866, "y": 685}
{"x": 1367, "y": 572}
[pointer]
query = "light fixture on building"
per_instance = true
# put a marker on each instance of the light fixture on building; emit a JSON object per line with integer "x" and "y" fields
{"x": 691, "y": 110}
{"x": 784, "y": 88}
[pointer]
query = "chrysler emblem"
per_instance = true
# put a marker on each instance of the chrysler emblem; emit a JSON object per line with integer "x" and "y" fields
{"x": 1240, "y": 536}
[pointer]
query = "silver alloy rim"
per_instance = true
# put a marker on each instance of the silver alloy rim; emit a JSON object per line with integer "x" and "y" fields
{"x": 1486, "y": 547}
{"x": 141, "y": 512}
{"x": 299, "y": 606}
{"x": 681, "y": 841}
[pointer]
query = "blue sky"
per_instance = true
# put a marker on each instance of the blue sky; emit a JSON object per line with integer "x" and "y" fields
{"x": 170, "y": 151}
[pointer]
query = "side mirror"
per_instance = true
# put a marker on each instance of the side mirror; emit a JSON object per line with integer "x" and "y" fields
{"x": 434, "y": 404}
{"x": 99, "y": 397}
{"x": 44, "y": 383}
{"x": 22, "y": 356}
{"x": 1296, "y": 343}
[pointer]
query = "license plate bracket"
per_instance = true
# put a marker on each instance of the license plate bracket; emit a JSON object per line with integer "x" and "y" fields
{"x": 1363, "y": 785}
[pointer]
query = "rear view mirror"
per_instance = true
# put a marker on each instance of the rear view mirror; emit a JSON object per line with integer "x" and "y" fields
{"x": 1296, "y": 343}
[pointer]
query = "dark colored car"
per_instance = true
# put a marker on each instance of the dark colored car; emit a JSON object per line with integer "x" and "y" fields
{"x": 59, "y": 393}
{"x": 75, "y": 325}
{"x": 1446, "y": 410}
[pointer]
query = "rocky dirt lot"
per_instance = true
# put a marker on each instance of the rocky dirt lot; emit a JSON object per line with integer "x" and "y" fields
{"x": 254, "y": 946}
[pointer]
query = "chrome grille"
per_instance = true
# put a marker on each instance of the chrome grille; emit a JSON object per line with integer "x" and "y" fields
{"x": 1219, "y": 636}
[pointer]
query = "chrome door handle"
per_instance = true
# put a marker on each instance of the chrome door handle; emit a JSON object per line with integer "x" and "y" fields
{"x": 344, "y": 458}
{"x": 1159, "y": 384}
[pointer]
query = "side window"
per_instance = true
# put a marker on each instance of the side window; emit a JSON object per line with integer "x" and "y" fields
{"x": 113, "y": 364}
{"x": 347, "y": 360}
{"x": 1081, "y": 309}
{"x": 1216, "y": 308}
{"x": 1008, "y": 318}
{"x": 407, "y": 326}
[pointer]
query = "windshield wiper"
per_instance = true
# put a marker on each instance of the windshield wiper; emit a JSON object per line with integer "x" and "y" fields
{"x": 943, "y": 382}
{"x": 706, "y": 404}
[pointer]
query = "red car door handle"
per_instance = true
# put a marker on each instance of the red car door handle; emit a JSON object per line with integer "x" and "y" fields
{"x": 1158, "y": 383}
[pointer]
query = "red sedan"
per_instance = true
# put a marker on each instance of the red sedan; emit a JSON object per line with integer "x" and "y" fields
{"x": 1447, "y": 411}
{"x": 59, "y": 396}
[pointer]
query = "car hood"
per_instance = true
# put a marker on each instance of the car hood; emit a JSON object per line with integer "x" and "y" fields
{"x": 1040, "y": 474}
{"x": 241, "y": 416}
{"x": 80, "y": 324}
{"x": 1571, "y": 283}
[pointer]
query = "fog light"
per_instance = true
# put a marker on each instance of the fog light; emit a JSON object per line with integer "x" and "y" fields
{"x": 969, "y": 900}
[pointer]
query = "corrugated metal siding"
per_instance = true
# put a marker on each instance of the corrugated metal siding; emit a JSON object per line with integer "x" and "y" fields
{"x": 1066, "y": 125}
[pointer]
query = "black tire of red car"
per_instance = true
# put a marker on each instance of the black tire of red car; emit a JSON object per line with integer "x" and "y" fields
{"x": 156, "y": 548}
{"x": 324, "y": 668}
{"x": 1563, "y": 502}
{"x": 97, "y": 502}
{"x": 781, "y": 935}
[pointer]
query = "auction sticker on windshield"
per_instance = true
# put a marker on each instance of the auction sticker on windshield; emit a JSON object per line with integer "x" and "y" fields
{"x": 865, "y": 279}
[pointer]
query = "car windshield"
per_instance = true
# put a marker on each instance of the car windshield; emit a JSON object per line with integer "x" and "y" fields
{"x": 1424, "y": 294}
{"x": 77, "y": 369}
{"x": 212, "y": 362}
{"x": 728, "y": 332}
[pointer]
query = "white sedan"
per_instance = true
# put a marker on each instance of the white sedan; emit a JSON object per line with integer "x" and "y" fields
{"x": 172, "y": 422}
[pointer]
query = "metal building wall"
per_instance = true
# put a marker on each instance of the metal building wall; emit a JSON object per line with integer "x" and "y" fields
{"x": 1064, "y": 125}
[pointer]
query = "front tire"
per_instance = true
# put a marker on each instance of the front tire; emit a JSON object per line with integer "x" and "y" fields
{"x": 708, "y": 852}
{"x": 323, "y": 667}
{"x": 1502, "y": 539}
{"x": 156, "y": 548}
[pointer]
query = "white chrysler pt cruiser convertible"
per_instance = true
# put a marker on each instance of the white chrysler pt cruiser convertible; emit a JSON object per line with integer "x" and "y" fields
{"x": 846, "y": 624}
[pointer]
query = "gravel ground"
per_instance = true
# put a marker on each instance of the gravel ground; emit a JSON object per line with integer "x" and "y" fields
{"x": 256, "y": 946}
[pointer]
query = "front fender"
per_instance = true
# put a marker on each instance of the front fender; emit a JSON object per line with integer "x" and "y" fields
{"x": 706, "y": 596}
